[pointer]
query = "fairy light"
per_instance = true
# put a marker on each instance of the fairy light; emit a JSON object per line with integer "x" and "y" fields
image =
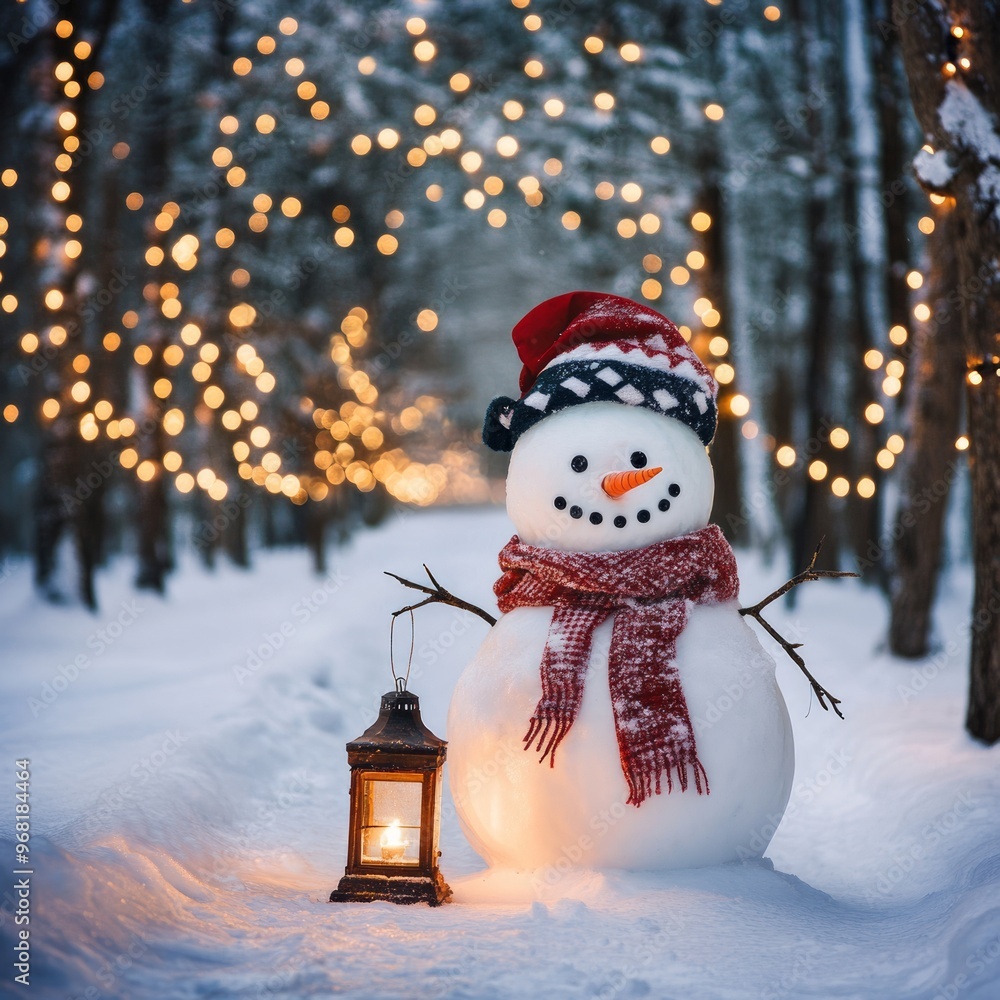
{"x": 424, "y": 50}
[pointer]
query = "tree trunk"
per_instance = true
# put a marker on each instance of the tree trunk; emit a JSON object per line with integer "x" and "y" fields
{"x": 813, "y": 519}
{"x": 936, "y": 370}
{"x": 728, "y": 509}
{"x": 154, "y": 538}
{"x": 894, "y": 190}
{"x": 955, "y": 88}
{"x": 66, "y": 496}
{"x": 859, "y": 123}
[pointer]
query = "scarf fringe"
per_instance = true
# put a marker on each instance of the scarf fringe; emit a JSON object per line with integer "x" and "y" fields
{"x": 645, "y": 776}
{"x": 550, "y": 735}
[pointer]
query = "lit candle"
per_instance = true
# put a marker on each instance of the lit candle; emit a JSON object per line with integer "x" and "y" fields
{"x": 392, "y": 843}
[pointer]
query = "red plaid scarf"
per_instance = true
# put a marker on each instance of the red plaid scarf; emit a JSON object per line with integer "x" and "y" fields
{"x": 646, "y": 590}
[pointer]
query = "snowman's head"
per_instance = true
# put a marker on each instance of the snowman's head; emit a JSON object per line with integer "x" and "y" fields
{"x": 610, "y": 433}
{"x": 603, "y": 477}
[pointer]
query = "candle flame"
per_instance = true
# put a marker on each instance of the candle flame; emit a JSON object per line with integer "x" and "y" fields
{"x": 393, "y": 836}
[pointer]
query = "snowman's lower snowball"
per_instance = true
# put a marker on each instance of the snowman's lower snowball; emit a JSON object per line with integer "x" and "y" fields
{"x": 521, "y": 814}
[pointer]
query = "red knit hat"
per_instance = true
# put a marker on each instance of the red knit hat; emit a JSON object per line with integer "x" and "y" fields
{"x": 585, "y": 347}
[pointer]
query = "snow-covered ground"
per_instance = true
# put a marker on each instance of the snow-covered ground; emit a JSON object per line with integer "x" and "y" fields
{"x": 188, "y": 793}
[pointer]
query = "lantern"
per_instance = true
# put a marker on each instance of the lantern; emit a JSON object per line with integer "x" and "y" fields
{"x": 396, "y": 769}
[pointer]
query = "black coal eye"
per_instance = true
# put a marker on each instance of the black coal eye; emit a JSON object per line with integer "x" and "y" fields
{"x": 579, "y": 464}
{"x": 638, "y": 460}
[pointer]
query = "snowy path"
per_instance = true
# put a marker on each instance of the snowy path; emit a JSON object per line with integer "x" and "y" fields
{"x": 189, "y": 806}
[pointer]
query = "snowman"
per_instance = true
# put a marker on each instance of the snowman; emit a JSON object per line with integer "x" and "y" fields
{"x": 620, "y": 714}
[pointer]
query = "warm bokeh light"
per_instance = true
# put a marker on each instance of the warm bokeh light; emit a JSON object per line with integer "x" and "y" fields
{"x": 839, "y": 437}
{"x": 785, "y": 456}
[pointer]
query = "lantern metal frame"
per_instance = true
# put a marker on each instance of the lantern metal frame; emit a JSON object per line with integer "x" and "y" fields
{"x": 397, "y": 747}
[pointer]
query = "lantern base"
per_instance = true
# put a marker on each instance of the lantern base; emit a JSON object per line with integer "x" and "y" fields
{"x": 392, "y": 889}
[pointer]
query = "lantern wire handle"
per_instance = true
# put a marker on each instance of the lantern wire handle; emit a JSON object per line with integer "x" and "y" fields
{"x": 401, "y": 682}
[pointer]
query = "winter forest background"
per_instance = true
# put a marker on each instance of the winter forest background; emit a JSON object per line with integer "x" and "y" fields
{"x": 260, "y": 262}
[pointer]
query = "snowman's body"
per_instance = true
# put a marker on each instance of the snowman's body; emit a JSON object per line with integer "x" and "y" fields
{"x": 521, "y": 813}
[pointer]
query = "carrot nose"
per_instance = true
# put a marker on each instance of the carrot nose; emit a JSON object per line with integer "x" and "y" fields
{"x": 617, "y": 484}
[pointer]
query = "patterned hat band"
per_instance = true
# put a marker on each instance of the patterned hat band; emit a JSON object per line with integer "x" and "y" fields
{"x": 600, "y": 381}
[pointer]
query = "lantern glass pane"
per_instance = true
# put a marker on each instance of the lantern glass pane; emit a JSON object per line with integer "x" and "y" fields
{"x": 391, "y": 821}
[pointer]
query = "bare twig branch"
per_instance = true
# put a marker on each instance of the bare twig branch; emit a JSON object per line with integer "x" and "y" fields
{"x": 754, "y": 611}
{"x": 438, "y": 595}
{"x": 809, "y": 573}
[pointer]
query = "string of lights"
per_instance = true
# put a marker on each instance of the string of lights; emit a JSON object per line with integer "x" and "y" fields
{"x": 354, "y": 441}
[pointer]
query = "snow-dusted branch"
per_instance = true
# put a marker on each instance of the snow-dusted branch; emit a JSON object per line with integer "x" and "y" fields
{"x": 438, "y": 595}
{"x": 754, "y": 611}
